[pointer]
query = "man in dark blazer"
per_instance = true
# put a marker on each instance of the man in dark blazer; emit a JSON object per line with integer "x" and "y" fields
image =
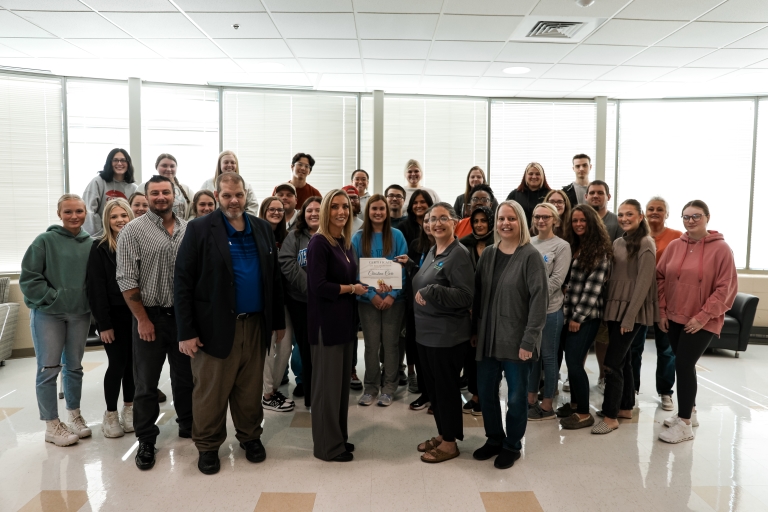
{"x": 229, "y": 299}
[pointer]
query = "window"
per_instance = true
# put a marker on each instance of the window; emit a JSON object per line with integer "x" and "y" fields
{"x": 543, "y": 132}
{"x": 684, "y": 150}
{"x": 31, "y": 159}
{"x": 182, "y": 121}
{"x": 98, "y": 122}
{"x": 610, "y": 152}
{"x": 266, "y": 129}
{"x": 758, "y": 255}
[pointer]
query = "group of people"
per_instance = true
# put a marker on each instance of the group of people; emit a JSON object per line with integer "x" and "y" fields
{"x": 489, "y": 290}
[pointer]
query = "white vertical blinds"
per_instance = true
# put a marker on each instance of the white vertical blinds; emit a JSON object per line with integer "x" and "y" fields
{"x": 758, "y": 256}
{"x": 31, "y": 159}
{"x": 685, "y": 150}
{"x": 182, "y": 121}
{"x": 97, "y": 115}
{"x": 549, "y": 133}
{"x": 610, "y": 151}
{"x": 266, "y": 129}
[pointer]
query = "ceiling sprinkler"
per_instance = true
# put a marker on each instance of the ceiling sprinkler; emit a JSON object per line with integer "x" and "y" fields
{"x": 237, "y": 26}
{"x": 584, "y": 3}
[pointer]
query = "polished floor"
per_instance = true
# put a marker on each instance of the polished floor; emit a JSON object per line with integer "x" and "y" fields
{"x": 724, "y": 468}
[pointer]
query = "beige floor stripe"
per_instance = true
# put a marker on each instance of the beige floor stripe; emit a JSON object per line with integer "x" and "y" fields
{"x": 472, "y": 421}
{"x": 520, "y": 501}
{"x": 285, "y": 501}
{"x": 56, "y": 501}
{"x": 8, "y": 411}
{"x": 301, "y": 420}
{"x": 90, "y": 366}
{"x": 728, "y": 498}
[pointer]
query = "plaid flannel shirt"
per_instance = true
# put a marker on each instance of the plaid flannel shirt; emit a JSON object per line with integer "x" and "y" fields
{"x": 584, "y": 298}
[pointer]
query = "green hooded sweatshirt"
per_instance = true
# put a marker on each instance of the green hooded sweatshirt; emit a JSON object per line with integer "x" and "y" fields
{"x": 53, "y": 272}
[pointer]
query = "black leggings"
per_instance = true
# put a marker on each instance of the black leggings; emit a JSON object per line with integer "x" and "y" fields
{"x": 411, "y": 347}
{"x": 120, "y": 355}
{"x": 298, "y": 312}
{"x": 688, "y": 348}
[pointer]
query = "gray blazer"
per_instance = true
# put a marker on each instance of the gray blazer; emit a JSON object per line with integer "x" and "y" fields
{"x": 518, "y": 310}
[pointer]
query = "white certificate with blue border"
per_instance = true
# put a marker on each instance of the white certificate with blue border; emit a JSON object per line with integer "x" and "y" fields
{"x": 377, "y": 271}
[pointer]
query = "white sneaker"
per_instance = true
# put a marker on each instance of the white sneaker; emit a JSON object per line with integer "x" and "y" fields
{"x": 57, "y": 433}
{"x": 601, "y": 386}
{"x": 666, "y": 403}
{"x": 677, "y": 433}
{"x": 127, "y": 418}
{"x": 366, "y": 399}
{"x": 566, "y": 385}
{"x": 110, "y": 425}
{"x": 77, "y": 424}
{"x": 670, "y": 422}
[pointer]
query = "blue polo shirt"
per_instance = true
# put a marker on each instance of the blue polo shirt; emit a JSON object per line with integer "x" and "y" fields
{"x": 247, "y": 268}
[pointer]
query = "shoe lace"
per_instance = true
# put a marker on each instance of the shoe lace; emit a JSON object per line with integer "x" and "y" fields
{"x": 79, "y": 422}
{"x": 61, "y": 430}
{"x": 145, "y": 449}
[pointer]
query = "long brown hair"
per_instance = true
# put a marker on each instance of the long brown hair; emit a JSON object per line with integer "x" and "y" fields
{"x": 175, "y": 179}
{"x": 386, "y": 230}
{"x": 280, "y": 231}
{"x": 218, "y": 163}
{"x": 468, "y": 189}
{"x": 643, "y": 230}
{"x": 594, "y": 245}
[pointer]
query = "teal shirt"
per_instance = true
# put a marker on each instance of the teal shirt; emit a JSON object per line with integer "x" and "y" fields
{"x": 399, "y": 246}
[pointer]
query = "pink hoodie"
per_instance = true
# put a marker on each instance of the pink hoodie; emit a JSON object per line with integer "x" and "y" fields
{"x": 697, "y": 279}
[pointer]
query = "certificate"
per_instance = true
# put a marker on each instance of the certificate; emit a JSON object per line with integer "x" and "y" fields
{"x": 377, "y": 271}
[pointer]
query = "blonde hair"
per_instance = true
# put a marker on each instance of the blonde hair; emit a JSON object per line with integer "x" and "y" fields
{"x": 109, "y": 237}
{"x": 414, "y": 163}
{"x": 218, "y": 163}
{"x": 70, "y": 197}
{"x": 324, "y": 228}
{"x": 525, "y": 237}
{"x": 552, "y": 209}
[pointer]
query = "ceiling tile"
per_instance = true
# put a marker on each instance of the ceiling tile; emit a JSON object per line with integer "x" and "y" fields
{"x": 43, "y": 47}
{"x": 397, "y": 67}
{"x": 309, "y": 5}
{"x": 220, "y": 6}
{"x": 601, "y": 54}
{"x": 44, "y": 5}
{"x": 396, "y": 26}
{"x": 332, "y": 65}
{"x": 572, "y": 71}
{"x": 325, "y": 48}
{"x": 682, "y": 10}
{"x": 701, "y": 34}
{"x": 536, "y": 70}
{"x": 488, "y": 82}
{"x": 253, "y": 25}
{"x": 545, "y": 84}
{"x": 259, "y": 65}
{"x": 448, "y": 82}
{"x": 476, "y": 28}
{"x": 608, "y": 86}
{"x": 345, "y": 80}
{"x": 739, "y": 10}
{"x": 185, "y": 48}
{"x": 115, "y": 48}
{"x": 276, "y": 78}
{"x": 633, "y": 32}
{"x": 489, "y": 7}
{"x": 132, "y": 5}
{"x": 458, "y": 68}
{"x": 534, "y": 52}
{"x": 12, "y": 25}
{"x": 600, "y": 9}
{"x": 399, "y": 6}
{"x": 658, "y": 90}
{"x": 731, "y": 58}
{"x": 464, "y": 50}
{"x": 209, "y": 66}
{"x": 373, "y": 80}
{"x": 255, "y": 48}
{"x": 316, "y": 25}
{"x": 673, "y": 57}
{"x": 693, "y": 74}
{"x": 398, "y": 49}
{"x": 155, "y": 25}
{"x": 636, "y": 73}
{"x": 763, "y": 64}
{"x": 6, "y": 52}
{"x": 757, "y": 40}
{"x": 74, "y": 24}
{"x": 541, "y": 94}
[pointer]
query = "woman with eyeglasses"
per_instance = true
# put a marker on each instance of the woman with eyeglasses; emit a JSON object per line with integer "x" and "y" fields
{"x": 556, "y": 254}
{"x": 559, "y": 199}
{"x": 114, "y": 181}
{"x": 697, "y": 284}
{"x": 532, "y": 189}
{"x": 444, "y": 290}
{"x": 508, "y": 316}
{"x": 476, "y": 176}
{"x": 272, "y": 211}
{"x": 481, "y": 195}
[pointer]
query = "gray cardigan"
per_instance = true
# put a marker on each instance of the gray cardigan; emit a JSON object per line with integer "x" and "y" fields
{"x": 518, "y": 311}
{"x": 293, "y": 263}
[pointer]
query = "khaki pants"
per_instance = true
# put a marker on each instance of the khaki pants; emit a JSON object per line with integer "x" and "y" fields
{"x": 236, "y": 380}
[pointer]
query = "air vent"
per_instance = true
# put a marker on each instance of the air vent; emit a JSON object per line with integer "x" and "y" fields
{"x": 555, "y": 29}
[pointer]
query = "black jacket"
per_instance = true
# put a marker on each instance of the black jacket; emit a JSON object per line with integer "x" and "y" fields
{"x": 204, "y": 286}
{"x": 528, "y": 199}
{"x": 103, "y": 292}
{"x": 570, "y": 191}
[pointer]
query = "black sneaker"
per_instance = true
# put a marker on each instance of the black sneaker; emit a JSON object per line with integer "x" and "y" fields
{"x": 145, "y": 456}
{"x": 506, "y": 459}
{"x": 343, "y": 457}
{"x": 476, "y": 410}
{"x": 254, "y": 450}
{"x": 419, "y": 403}
{"x": 467, "y": 409}
{"x": 298, "y": 391}
{"x": 463, "y": 382}
{"x": 276, "y": 404}
{"x": 282, "y": 397}
{"x": 486, "y": 451}
{"x": 161, "y": 396}
{"x": 349, "y": 447}
{"x": 354, "y": 382}
{"x": 403, "y": 378}
{"x": 208, "y": 462}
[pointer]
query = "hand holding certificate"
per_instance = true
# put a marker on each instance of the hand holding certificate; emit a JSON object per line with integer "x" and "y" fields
{"x": 376, "y": 272}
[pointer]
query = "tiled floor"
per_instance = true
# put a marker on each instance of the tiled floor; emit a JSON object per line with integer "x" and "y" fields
{"x": 724, "y": 468}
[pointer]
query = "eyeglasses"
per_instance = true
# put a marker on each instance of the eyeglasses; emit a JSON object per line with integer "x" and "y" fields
{"x": 443, "y": 219}
{"x": 542, "y": 217}
{"x": 275, "y": 210}
{"x": 696, "y": 217}
{"x": 119, "y": 161}
{"x": 557, "y": 203}
{"x": 395, "y": 196}
{"x": 484, "y": 200}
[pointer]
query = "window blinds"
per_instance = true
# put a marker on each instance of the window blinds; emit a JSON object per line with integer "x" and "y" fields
{"x": 759, "y": 244}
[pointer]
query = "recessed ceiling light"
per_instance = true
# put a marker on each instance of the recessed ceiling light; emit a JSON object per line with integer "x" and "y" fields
{"x": 266, "y": 67}
{"x": 516, "y": 70}
{"x": 584, "y": 3}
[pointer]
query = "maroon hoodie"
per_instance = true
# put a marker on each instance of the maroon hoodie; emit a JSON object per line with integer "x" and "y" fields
{"x": 697, "y": 279}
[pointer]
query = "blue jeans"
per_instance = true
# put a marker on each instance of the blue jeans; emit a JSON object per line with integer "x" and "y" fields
{"x": 488, "y": 381}
{"x": 550, "y": 340}
{"x": 665, "y": 361}
{"x": 576, "y": 347}
{"x": 59, "y": 342}
{"x": 296, "y": 366}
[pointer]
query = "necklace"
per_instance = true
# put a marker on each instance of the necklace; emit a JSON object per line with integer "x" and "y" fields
{"x": 343, "y": 252}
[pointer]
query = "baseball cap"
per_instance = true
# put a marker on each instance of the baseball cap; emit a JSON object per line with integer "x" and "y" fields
{"x": 285, "y": 186}
{"x": 350, "y": 189}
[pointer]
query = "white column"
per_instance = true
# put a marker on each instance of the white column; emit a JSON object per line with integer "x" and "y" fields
{"x": 134, "y": 125}
{"x": 378, "y": 142}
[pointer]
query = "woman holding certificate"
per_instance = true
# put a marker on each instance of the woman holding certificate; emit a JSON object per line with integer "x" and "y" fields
{"x": 381, "y": 315}
{"x": 444, "y": 289}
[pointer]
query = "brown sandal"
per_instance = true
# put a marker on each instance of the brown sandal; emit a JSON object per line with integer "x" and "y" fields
{"x": 430, "y": 444}
{"x": 440, "y": 456}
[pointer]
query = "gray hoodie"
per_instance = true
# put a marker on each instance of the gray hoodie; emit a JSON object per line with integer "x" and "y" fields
{"x": 96, "y": 195}
{"x": 293, "y": 263}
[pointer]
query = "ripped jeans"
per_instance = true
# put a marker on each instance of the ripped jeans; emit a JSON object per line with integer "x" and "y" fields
{"x": 59, "y": 341}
